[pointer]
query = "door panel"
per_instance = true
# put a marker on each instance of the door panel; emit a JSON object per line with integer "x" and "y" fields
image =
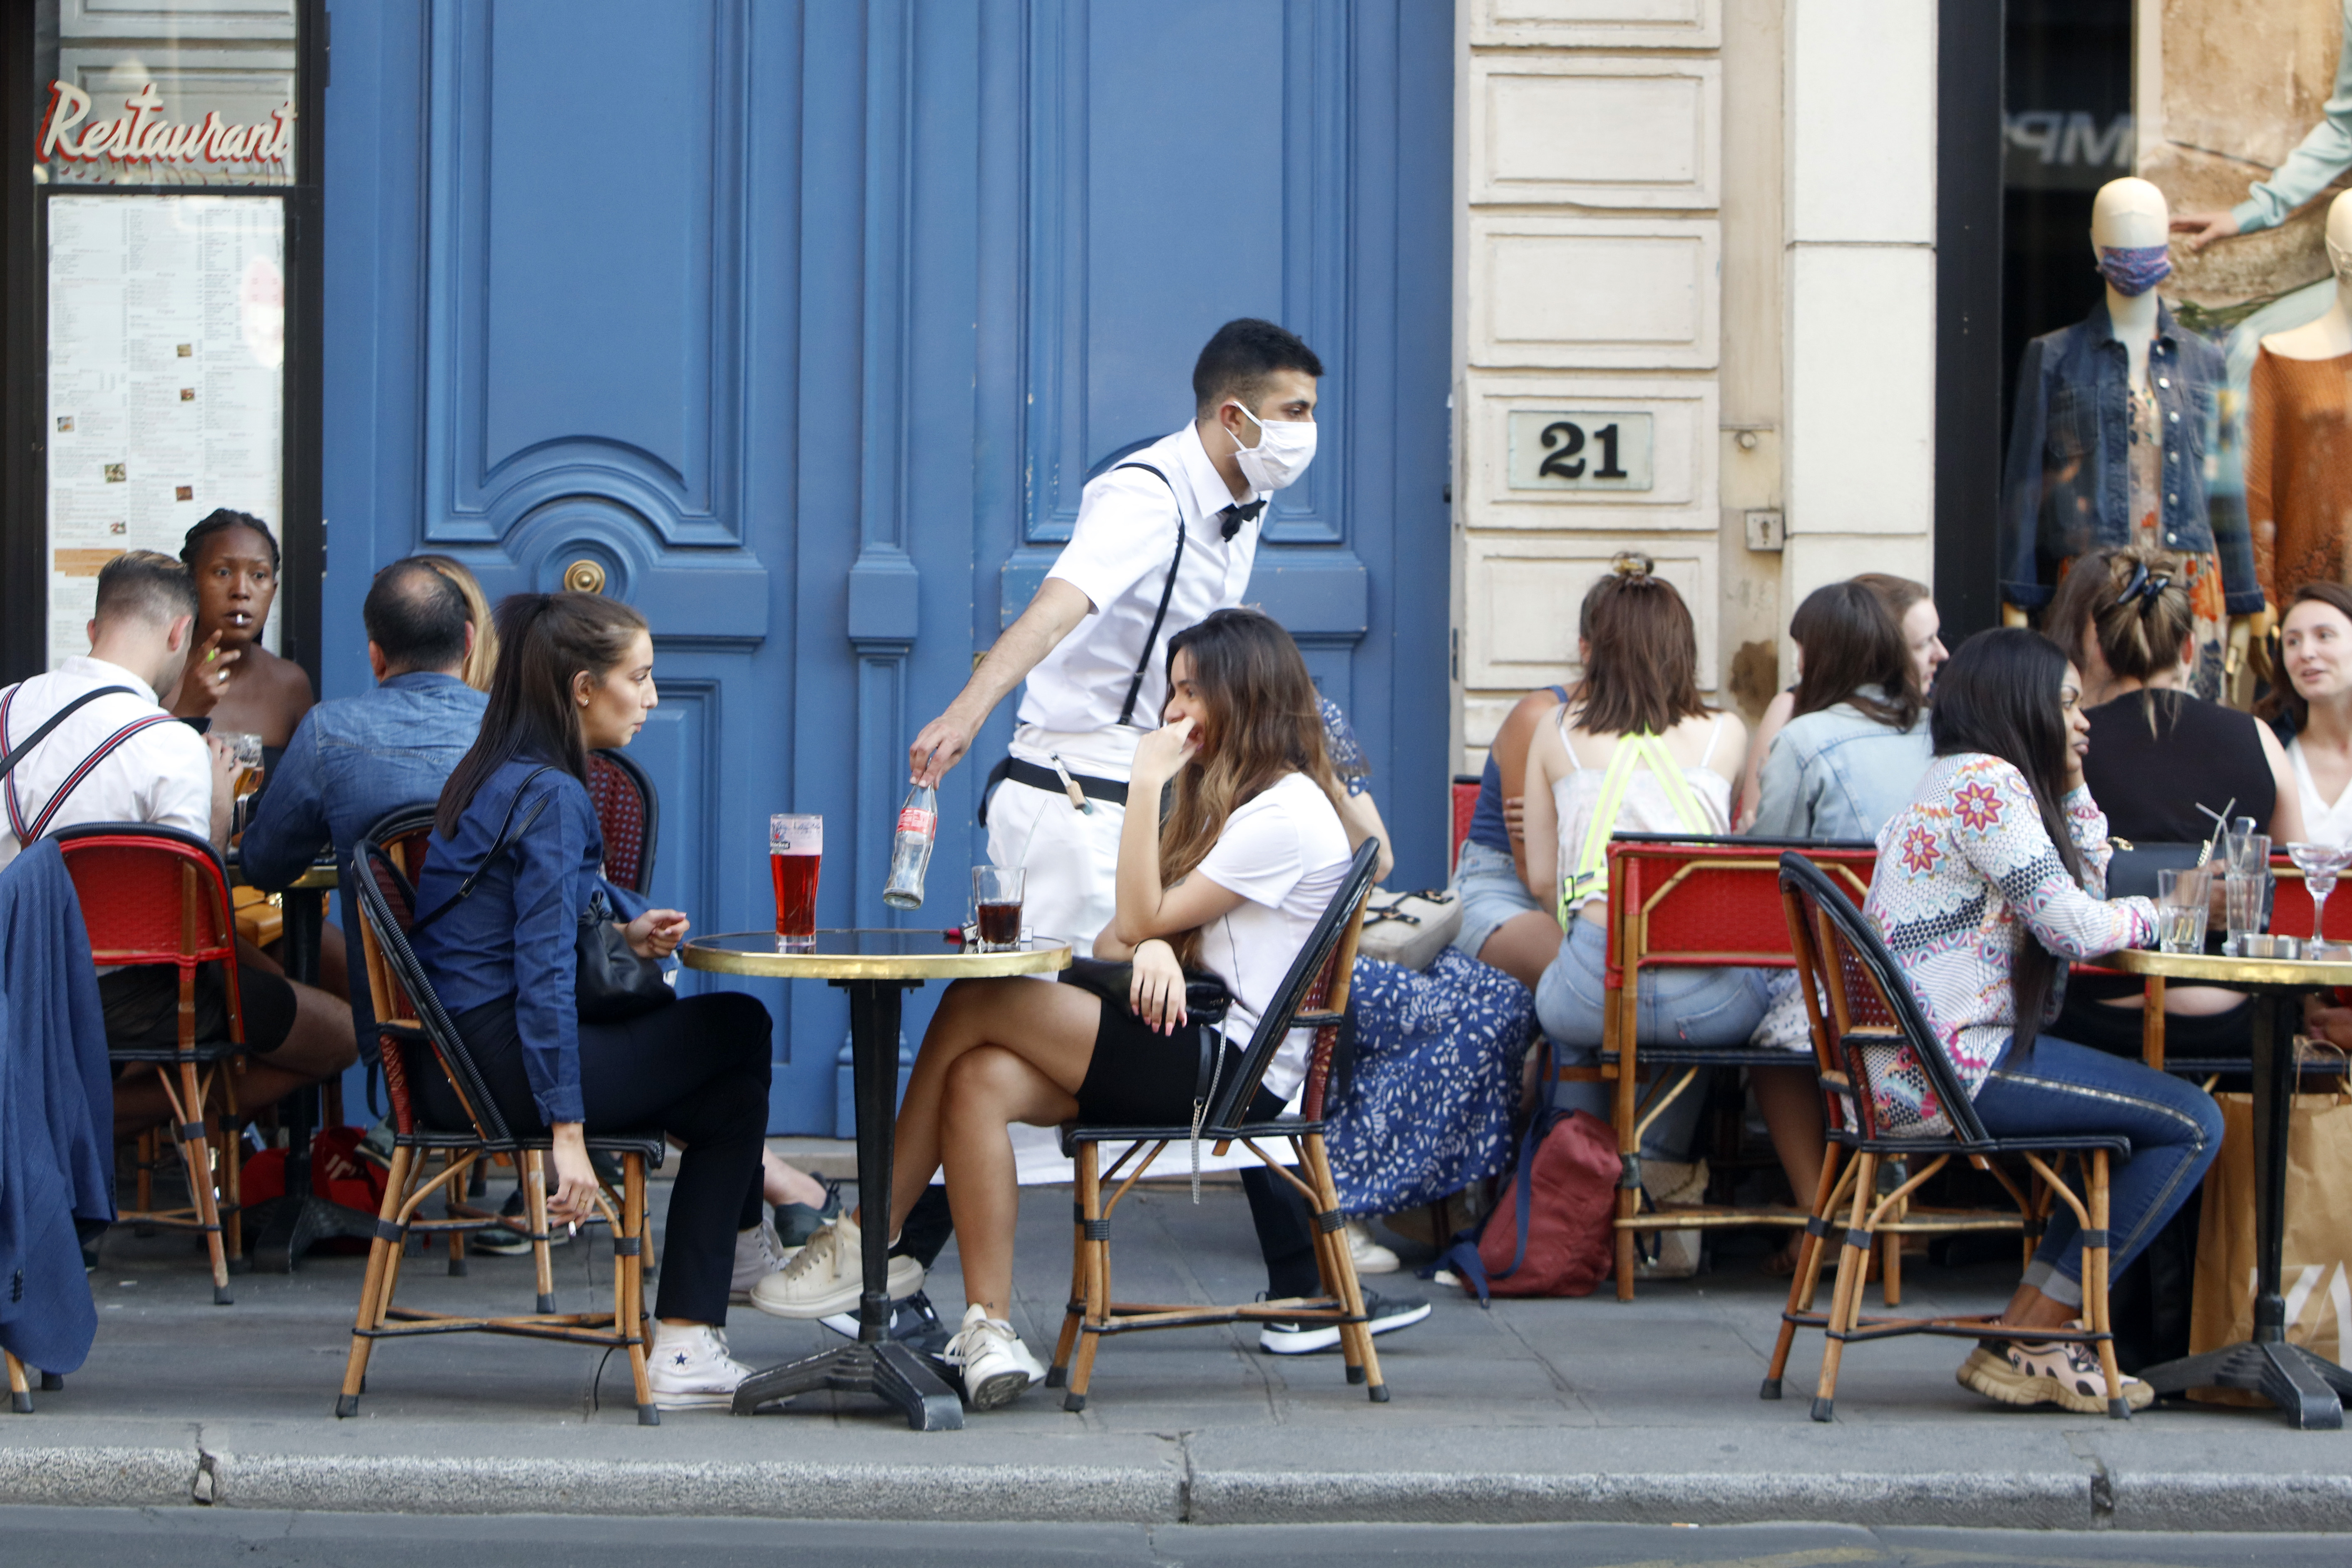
{"x": 804, "y": 324}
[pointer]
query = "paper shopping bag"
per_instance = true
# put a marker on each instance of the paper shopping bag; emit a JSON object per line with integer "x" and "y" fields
{"x": 2318, "y": 1235}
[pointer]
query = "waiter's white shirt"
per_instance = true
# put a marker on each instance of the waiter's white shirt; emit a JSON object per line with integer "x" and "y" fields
{"x": 1119, "y": 556}
{"x": 162, "y": 774}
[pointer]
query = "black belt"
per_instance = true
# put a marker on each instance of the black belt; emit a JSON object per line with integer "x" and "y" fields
{"x": 1111, "y": 790}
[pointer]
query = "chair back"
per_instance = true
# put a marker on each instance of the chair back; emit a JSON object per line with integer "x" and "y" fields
{"x": 1465, "y": 804}
{"x": 154, "y": 894}
{"x": 1687, "y": 902}
{"x": 1314, "y": 980}
{"x": 407, "y": 1012}
{"x": 404, "y": 832}
{"x": 629, "y": 813}
{"x": 1862, "y": 1011}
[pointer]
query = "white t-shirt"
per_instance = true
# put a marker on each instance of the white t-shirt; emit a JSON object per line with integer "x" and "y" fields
{"x": 162, "y": 774}
{"x": 1118, "y": 555}
{"x": 1286, "y": 854}
{"x": 2324, "y": 822}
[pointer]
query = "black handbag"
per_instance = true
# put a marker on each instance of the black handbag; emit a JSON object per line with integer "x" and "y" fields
{"x": 2131, "y": 872}
{"x": 610, "y": 981}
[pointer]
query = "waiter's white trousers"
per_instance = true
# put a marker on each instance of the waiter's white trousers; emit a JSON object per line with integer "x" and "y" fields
{"x": 1072, "y": 857}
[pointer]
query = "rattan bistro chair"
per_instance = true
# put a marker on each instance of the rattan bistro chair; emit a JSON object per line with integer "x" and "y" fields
{"x": 417, "y": 1037}
{"x": 1862, "y": 1011}
{"x": 153, "y": 895}
{"x": 1313, "y": 995}
{"x": 628, "y": 813}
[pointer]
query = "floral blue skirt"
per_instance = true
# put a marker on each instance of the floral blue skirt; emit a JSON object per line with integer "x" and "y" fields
{"x": 1427, "y": 1109}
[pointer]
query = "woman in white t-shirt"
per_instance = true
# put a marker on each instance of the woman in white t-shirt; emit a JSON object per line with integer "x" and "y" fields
{"x": 1233, "y": 884}
{"x": 2316, "y": 649}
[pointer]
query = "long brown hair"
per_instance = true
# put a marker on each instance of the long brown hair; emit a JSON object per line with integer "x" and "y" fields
{"x": 1854, "y": 654}
{"x": 2139, "y": 614}
{"x": 1641, "y": 665}
{"x": 549, "y": 638}
{"x": 2284, "y": 699}
{"x": 1262, "y": 722}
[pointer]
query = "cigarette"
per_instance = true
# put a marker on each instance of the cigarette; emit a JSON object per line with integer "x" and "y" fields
{"x": 571, "y": 1228}
{"x": 1077, "y": 796}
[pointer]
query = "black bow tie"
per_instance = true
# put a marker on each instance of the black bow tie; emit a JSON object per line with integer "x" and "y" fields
{"x": 1230, "y": 520}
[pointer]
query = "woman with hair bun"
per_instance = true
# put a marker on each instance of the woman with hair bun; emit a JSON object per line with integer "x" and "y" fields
{"x": 1633, "y": 750}
{"x": 2157, "y": 752}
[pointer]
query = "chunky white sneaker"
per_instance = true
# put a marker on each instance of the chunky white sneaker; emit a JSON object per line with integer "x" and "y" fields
{"x": 759, "y": 1252}
{"x": 2064, "y": 1373}
{"x": 822, "y": 1278}
{"x": 1370, "y": 1257}
{"x": 689, "y": 1368}
{"x": 994, "y": 1364}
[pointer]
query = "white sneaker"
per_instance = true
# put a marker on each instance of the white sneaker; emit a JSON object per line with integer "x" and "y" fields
{"x": 1370, "y": 1256}
{"x": 995, "y": 1365}
{"x": 759, "y": 1252}
{"x": 823, "y": 1278}
{"x": 689, "y": 1368}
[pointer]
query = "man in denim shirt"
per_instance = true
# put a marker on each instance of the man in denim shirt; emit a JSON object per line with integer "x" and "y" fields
{"x": 354, "y": 759}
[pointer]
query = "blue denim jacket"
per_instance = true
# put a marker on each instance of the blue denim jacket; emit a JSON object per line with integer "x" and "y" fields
{"x": 516, "y": 936}
{"x": 2067, "y": 489}
{"x": 1839, "y": 774}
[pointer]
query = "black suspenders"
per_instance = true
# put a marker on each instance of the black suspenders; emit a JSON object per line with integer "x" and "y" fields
{"x": 1135, "y": 686}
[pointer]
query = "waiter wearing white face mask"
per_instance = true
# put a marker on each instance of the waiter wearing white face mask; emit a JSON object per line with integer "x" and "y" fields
{"x": 1162, "y": 538}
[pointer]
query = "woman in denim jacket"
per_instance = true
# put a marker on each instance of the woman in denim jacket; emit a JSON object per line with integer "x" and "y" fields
{"x": 1858, "y": 742}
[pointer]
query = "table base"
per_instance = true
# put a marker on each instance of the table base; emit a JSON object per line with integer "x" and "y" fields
{"x": 895, "y": 1372}
{"x": 2309, "y": 1388}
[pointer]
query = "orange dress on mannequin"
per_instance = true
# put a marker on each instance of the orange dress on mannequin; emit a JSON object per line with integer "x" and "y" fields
{"x": 2299, "y": 471}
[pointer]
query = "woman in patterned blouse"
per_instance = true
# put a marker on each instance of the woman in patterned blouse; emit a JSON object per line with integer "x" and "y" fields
{"x": 1988, "y": 882}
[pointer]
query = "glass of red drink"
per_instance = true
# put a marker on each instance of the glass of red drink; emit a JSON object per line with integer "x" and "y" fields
{"x": 796, "y": 851}
{"x": 996, "y": 906}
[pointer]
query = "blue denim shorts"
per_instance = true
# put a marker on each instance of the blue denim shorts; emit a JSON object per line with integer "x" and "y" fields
{"x": 1491, "y": 893}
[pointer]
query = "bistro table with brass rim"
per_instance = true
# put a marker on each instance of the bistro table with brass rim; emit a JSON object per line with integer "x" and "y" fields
{"x": 2309, "y": 1388}
{"x": 874, "y": 967}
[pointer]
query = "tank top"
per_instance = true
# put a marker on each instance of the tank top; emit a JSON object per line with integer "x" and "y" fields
{"x": 1642, "y": 790}
{"x": 2323, "y": 822}
{"x": 1487, "y": 822}
{"x": 2202, "y": 754}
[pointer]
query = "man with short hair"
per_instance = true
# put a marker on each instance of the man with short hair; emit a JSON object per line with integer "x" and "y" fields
{"x": 119, "y": 758}
{"x": 354, "y": 759}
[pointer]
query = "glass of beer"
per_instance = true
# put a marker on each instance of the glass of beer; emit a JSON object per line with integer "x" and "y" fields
{"x": 996, "y": 906}
{"x": 795, "y": 850}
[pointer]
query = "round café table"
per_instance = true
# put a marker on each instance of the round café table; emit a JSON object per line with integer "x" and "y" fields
{"x": 2309, "y": 1388}
{"x": 874, "y": 967}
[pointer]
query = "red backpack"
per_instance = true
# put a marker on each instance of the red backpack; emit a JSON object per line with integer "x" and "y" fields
{"x": 1553, "y": 1232}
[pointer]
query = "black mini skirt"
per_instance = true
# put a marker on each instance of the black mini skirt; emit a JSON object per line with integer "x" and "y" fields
{"x": 1140, "y": 1077}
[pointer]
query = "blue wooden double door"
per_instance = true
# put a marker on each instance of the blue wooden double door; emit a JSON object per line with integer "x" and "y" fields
{"x": 805, "y": 323}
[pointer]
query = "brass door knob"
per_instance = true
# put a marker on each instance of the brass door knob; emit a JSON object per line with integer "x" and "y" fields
{"x": 585, "y": 576}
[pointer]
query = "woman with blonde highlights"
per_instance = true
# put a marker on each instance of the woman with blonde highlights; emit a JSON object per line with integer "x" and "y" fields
{"x": 1249, "y": 858}
{"x": 483, "y": 657}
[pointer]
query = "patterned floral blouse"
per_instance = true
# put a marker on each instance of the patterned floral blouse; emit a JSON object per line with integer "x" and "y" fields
{"x": 1958, "y": 869}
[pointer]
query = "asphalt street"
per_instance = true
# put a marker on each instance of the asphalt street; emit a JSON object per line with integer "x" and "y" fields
{"x": 202, "y": 1538}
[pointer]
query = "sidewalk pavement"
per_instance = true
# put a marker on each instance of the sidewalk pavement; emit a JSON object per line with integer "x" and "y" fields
{"x": 1534, "y": 1411}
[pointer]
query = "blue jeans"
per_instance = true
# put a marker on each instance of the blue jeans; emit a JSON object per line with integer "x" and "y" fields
{"x": 2064, "y": 1088}
{"x": 1690, "y": 1006}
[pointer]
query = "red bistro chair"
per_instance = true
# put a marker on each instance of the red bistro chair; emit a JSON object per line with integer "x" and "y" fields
{"x": 629, "y": 813}
{"x": 153, "y": 895}
{"x": 1464, "y": 806}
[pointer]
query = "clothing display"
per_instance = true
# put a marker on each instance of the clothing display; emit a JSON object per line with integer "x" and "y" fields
{"x": 2325, "y": 153}
{"x": 1959, "y": 870}
{"x": 2299, "y": 470}
{"x": 2076, "y": 479}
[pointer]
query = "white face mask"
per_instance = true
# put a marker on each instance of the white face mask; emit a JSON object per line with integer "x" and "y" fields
{"x": 1284, "y": 449}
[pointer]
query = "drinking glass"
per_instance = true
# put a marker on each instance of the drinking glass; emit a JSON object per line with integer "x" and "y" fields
{"x": 2319, "y": 864}
{"x": 2182, "y": 899}
{"x": 2247, "y": 850}
{"x": 996, "y": 896}
{"x": 2242, "y": 899}
{"x": 795, "y": 853}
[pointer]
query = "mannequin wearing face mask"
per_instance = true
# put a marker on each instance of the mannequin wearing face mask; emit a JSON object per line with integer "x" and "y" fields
{"x": 2299, "y": 437}
{"x": 2114, "y": 418}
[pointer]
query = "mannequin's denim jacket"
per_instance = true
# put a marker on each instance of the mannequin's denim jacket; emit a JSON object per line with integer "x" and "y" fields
{"x": 2067, "y": 489}
{"x": 1839, "y": 774}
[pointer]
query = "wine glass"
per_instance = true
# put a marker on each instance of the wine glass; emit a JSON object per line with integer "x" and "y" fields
{"x": 2319, "y": 864}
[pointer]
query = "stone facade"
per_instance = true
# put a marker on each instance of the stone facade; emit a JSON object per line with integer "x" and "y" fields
{"x": 1694, "y": 304}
